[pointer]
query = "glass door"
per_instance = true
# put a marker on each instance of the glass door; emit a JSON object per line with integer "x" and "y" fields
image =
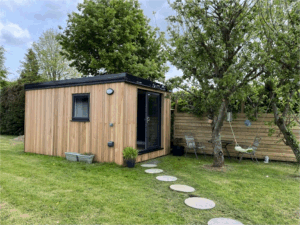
{"x": 153, "y": 121}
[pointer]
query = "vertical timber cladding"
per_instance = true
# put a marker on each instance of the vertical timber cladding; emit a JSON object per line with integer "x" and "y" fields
{"x": 130, "y": 121}
{"x": 50, "y": 130}
{"x": 269, "y": 146}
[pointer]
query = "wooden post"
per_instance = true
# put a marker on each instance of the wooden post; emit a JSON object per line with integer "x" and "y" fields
{"x": 242, "y": 107}
{"x": 176, "y": 102}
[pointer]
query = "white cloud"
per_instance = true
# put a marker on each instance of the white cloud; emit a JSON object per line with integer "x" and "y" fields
{"x": 13, "y": 34}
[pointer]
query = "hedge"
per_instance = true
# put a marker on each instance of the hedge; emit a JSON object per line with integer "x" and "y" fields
{"x": 12, "y": 109}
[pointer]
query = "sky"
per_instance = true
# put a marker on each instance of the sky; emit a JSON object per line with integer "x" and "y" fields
{"x": 23, "y": 21}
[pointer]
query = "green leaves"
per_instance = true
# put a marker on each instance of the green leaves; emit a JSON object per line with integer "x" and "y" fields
{"x": 214, "y": 44}
{"x": 112, "y": 37}
{"x": 53, "y": 66}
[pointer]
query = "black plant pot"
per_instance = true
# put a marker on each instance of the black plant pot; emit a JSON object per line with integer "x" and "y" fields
{"x": 178, "y": 150}
{"x": 130, "y": 163}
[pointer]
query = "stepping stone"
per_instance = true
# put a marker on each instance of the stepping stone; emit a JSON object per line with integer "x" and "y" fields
{"x": 166, "y": 178}
{"x": 154, "y": 171}
{"x": 182, "y": 188}
{"x": 223, "y": 221}
{"x": 148, "y": 165}
{"x": 199, "y": 203}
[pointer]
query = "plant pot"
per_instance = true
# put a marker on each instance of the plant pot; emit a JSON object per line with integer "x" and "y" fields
{"x": 72, "y": 156}
{"x": 178, "y": 150}
{"x": 86, "y": 158}
{"x": 130, "y": 163}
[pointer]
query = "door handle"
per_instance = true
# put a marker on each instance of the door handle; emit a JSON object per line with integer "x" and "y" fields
{"x": 148, "y": 119}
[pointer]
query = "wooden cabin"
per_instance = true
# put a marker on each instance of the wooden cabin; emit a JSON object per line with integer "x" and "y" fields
{"x": 100, "y": 115}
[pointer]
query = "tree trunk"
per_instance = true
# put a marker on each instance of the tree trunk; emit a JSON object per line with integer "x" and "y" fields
{"x": 216, "y": 138}
{"x": 290, "y": 138}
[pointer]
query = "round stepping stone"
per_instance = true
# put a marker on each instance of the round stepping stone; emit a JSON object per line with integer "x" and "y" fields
{"x": 166, "y": 178}
{"x": 182, "y": 188}
{"x": 154, "y": 171}
{"x": 148, "y": 165}
{"x": 199, "y": 203}
{"x": 224, "y": 221}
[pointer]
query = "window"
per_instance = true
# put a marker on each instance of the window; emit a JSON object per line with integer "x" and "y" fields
{"x": 81, "y": 107}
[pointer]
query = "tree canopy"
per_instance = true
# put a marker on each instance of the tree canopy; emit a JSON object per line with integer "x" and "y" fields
{"x": 3, "y": 69}
{"x": 214, "y": 43}
{"x": 112, "y": 36}
{"x": 30, "y": 69}
{"x": 280, "y": 34}
{"x": 53, "y": 66}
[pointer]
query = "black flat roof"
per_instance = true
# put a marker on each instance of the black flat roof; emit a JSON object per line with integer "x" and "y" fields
{"x": 101, "y": 79}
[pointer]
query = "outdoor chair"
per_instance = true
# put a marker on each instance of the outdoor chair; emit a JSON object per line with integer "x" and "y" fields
{"x": 254, "y": 147}
{"x": 191, "y": 144}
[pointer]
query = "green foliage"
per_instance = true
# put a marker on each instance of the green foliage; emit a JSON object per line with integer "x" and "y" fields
{"x": 12, "y": 109}
{"x": 130, "y": 153}
{"x": 113, "y": 36}
{"x": 30, "y": 69}
{"x": 214, "y": 44}
{"x": 3, "y": 69}
{"x": 52, "y": 64}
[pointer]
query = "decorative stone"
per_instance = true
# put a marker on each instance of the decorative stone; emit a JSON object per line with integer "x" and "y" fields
{"x": 166, "y": 178}
{"x": 199, "y": 203}
{"x": 154, "y": 171}
{"x": 148, "y": 165}
{"x": 182, "y": 188}
{"x": 223, "y": 221}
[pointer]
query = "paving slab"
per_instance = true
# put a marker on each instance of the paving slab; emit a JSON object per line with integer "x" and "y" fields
{"x": 154, "y": 171}
{"x": 224, "y": 221}
{"x": 182, "y": 188}
{"x": 148, "y": 165}
{"x": 166, "y": 178}
{"x": 199, "y": 203}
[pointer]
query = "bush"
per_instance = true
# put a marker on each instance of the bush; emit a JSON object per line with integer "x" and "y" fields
{"x": 130, "y": 153}
{"x": 12, "y": 110}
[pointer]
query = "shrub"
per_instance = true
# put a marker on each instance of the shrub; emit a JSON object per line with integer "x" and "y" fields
{"x": 12, "y": 110}
{"x": 130, "y": 153}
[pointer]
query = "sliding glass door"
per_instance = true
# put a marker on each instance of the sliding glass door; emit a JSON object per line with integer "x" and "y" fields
{"x": 149, "y": 121}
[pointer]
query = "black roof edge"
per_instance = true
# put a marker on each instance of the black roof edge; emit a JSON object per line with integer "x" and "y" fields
{"x": 101, "y": 79}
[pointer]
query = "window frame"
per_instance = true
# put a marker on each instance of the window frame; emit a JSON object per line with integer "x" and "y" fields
{"x": 80, "y": 119}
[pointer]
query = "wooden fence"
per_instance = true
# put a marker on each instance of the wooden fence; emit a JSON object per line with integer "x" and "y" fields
{"x": 269, "y": 145}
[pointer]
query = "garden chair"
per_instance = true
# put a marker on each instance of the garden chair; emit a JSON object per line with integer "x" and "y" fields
{"x": 191, "y": 144}
{"x": 250, "y": 150}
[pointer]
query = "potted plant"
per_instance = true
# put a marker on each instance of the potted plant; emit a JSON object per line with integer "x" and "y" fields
{"x": 130, "y": 155}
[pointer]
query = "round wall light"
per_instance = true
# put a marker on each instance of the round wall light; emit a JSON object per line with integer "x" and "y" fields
{"x": 109, "y": 91}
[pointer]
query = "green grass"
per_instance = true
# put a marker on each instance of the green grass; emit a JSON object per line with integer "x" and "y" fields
{"x": 51, "y": 190}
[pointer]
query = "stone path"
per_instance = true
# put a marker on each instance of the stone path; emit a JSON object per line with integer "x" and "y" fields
{"x": 194, "y": 202}
{"x": 182, "y": 188}
{"x": 224, "y": 221}
{"x": 149, "y": 165}
{"x": 166, "y": 178}
{"x": 154, "y": 171}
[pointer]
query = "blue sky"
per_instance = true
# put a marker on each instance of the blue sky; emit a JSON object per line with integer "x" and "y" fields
{"x": 23, "y": 21}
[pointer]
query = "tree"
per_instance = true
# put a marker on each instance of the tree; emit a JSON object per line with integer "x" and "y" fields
{"x": 3, "y": 69}
{"x": 214, "y": 44}
{"x": 113, "y": 36}
{"x": 52, "y": 64}
{"x": 280, "y": 24}
{"x": 30, "y": 69}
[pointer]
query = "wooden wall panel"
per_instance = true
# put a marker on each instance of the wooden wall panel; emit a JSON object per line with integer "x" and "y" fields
{"x": 269, "y": 146}
{"x": 49, "y": 128}
{"x": 130, "y": 121}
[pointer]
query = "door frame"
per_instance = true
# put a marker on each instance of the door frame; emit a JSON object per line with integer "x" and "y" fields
{"x": 146, "y": 120}
{"x": 147, "y": 150}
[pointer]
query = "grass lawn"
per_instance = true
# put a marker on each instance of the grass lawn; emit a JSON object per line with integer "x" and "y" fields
{"x": 50, "y": 190}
